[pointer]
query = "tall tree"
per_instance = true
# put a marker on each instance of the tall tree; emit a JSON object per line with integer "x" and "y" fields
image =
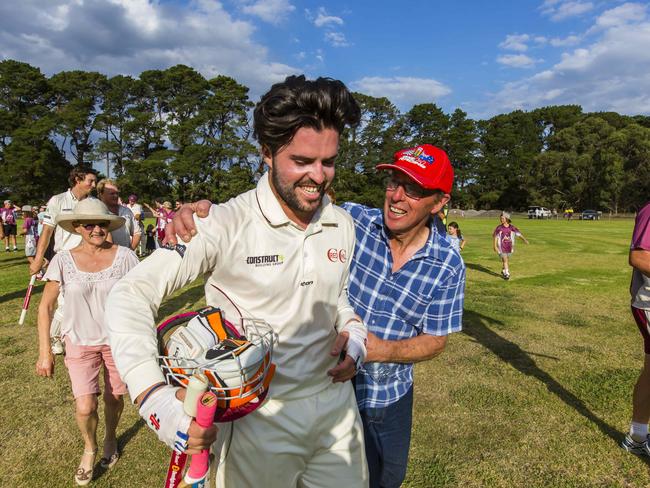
{"x": 78, "y": 96}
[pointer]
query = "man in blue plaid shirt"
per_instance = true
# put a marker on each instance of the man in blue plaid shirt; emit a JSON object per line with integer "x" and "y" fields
{"x": 407, "y": 284}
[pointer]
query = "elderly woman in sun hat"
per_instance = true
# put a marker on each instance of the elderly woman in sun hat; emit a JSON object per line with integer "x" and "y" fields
{"x": 85, "y": 275}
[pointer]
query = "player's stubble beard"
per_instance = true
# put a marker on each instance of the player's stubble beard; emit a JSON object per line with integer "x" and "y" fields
{"x": 287, "y": 193}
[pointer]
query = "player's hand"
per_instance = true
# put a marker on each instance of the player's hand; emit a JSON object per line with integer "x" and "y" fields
{"x": 35, "y": 266}
{"x": 45, "y": 365}
{"x": 345, "y": 369}
{"x": 183, "y": 222}
{"x": 199, "y": 438}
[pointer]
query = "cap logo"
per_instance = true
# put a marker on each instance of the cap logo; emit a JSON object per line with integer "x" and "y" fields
{"x": 417, "y": 157}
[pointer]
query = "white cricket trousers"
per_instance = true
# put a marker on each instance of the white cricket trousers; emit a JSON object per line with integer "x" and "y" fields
{"x": 313, "y": 442}
{"x": 55, "y": 325}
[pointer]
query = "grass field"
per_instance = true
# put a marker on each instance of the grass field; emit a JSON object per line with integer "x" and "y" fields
{"x": 535, "y": 391}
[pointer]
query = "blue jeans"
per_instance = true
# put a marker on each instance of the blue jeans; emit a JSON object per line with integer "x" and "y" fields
{"x": 387, "y": 433}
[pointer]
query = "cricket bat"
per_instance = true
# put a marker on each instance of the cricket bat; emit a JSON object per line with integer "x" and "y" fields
{"x": 200, "y": 463}
{"x": 196, "y": 386}
{"x": 28, "y": 296}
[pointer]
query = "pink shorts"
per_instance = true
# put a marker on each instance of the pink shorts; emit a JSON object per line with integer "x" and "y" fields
{"x": 84, "y": 363}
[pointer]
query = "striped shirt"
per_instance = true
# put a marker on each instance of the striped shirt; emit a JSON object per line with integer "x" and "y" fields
{"x": 425, "y": 296}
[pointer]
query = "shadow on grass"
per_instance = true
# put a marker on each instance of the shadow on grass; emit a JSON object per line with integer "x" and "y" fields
{"x": 20, "y": 294}
{"x": 477, "y": 326}
{"x": 122, "y": 440}
{"x": 178, "y": 303}
{"x": 482, "y": 269}
{"x": 7, "y": 263}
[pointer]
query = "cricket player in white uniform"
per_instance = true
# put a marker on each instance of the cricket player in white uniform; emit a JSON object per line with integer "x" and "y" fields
{"x": 82, "y": 182}
{"x": 280, "y": 252}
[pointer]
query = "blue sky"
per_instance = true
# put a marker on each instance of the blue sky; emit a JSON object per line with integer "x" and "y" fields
{"x": 485, "y": 57}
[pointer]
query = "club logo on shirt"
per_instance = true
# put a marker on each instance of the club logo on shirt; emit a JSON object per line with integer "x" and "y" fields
{"x": 335, "y": 255}
{"x": 155, "y": 421}
{"x": 267, "y": 260}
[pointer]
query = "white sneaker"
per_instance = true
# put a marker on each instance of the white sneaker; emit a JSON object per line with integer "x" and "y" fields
{"x": 57, "y": 345}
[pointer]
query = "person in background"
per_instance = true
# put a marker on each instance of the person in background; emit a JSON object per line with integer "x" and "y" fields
{"x": 30, "y": 231}
{"x": 82, "y": 182}
{"x": 636, "y": 441}
{"x": 129, "y": 234}
{"x": 455, "y": 237}
{"x": 138, "y": 214}
{"x": 9, "y": 218}
{"x": 85, "y": 274}
{"x": 504, "y": 242}
{"x": 151, "y": 239}
{"x": 160, "y": 213}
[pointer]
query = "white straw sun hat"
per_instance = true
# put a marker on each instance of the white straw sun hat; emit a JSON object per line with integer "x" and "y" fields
{"x": 89, "y": 210}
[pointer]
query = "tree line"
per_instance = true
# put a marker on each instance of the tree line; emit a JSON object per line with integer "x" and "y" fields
{"x": 173, "y": 132}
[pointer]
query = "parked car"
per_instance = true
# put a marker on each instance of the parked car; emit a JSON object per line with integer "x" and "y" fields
{"x": 590, "y": 215}
{"x": 536, "y": 212}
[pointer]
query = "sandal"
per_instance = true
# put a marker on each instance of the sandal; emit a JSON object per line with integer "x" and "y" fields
{"x": 83, "y": 476}
{"x": 109, "y": 462}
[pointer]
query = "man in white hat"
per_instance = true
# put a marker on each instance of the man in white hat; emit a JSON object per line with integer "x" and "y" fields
{"x": 82, "y": 181}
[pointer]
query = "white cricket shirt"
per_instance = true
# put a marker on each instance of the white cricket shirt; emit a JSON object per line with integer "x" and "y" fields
{"x": 123, "y": 235}
{"x": 257, "y": 263}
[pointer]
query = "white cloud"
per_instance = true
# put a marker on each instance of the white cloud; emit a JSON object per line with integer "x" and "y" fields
{"x": 130, "y": 36}
{"x": 516, "y": 60}
{"x": 515, "y": 42}
{"x": 322, "y": 19}
{"x": 563, "y": 9}
{"x": 402, "y": 91}
{"x": 623, "y": 14}
{"x": 271, "y": 11}
{"x": 336, "y": 39}
{"x": 567, "y": 41}
{"x": 610, "y": 73}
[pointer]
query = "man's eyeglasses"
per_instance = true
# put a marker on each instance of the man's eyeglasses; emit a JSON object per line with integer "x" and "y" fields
{"x": 412, "y": 190}
{"x": 90, "y": 227}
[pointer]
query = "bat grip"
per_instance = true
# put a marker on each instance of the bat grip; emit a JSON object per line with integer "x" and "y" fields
{"x": 205, "y": 410}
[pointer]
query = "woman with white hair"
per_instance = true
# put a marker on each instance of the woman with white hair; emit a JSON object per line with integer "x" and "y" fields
{"x": 85, "y": 275}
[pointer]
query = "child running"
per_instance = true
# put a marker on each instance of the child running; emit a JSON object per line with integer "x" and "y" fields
{"x": 455, "y": 237}
{"x": 504, "y": 241}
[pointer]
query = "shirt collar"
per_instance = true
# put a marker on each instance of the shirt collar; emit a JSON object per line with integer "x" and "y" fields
{"x": 74, "y": 199}
{"x": 274, "y": 213}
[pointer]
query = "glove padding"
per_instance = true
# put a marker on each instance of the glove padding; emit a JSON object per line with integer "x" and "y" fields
{"x": 356, "y": 345}
{"x": 164, "y": 413}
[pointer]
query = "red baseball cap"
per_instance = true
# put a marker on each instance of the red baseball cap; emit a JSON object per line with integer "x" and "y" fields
{"x": 427, "y": 165}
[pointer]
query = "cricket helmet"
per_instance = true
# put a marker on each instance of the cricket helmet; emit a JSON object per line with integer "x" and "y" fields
{"x": 237, "y": 362}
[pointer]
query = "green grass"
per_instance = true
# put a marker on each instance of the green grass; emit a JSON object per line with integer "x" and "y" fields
{"x": 535, "y": 391}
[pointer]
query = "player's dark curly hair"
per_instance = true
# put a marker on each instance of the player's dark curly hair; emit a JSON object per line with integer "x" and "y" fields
{"x": 298, "y": 102}
{"x": 79, "y": 173}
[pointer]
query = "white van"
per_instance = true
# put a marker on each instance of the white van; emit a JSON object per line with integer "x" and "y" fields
{"x": 539, "y": 213}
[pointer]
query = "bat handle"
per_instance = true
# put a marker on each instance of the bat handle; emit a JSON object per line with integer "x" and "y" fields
{"x": 28, "y": 295}
{"x": 205, "y": 410}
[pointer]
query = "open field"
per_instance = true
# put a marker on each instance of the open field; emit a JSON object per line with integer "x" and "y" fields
{"x": 535, "y": 391}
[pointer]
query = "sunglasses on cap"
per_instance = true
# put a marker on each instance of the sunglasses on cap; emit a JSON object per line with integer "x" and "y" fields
{"x": 90, "y": 227}
{"x": 411, "y": 190}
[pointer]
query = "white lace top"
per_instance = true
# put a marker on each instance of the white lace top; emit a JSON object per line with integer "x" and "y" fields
{"x": 85, "y": 294}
